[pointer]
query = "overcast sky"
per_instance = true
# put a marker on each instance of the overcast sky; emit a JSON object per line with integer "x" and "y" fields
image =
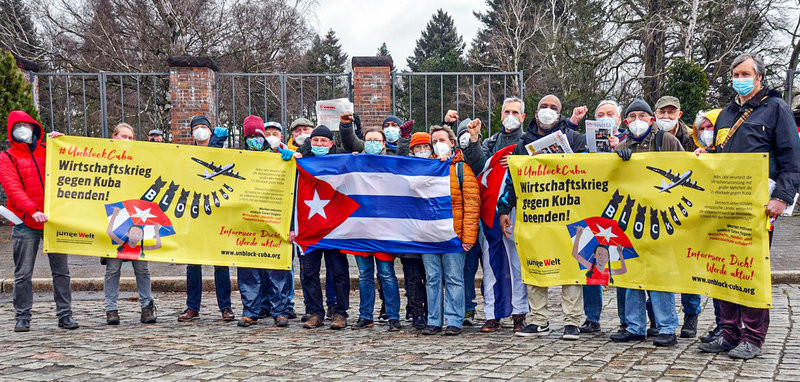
{"x": 363, "y": 25}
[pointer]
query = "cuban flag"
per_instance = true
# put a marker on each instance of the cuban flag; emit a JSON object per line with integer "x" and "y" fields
{"x": 142, "y": 213}
{"x": 601, "y": 231}
{"x": 374, "y": 203}
{"x": 504, "y": 293}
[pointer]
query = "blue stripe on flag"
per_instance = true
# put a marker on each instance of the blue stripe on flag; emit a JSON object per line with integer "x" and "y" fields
{"x": 389, "y": 246}
{"x": 499, "y": 266}
{"x": 402, "y": 207}
{"x": 399, "y": 165}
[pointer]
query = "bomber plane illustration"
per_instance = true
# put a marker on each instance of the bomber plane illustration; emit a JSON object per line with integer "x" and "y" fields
{"x": 676, "y": 180}
{"x": 226, "y": 170}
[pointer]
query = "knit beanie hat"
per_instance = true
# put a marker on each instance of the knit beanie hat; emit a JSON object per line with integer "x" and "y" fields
{"x": 322, "y": 131}
{"x": 392, "y": 118}
{"x": 253, "y": 125}
{"x": 200, "y": 120}
{"x": 639, "y": 104}
{"x": 420, "y": 138}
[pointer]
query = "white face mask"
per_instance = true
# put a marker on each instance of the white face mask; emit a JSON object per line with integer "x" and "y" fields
{"x": 201, "y": 134}
{"x": 707, "y": 137}
{"x": 610, "y": 121}
{"x": 300, "y": 139}
{"x": 666, "y": 124}
{"x": 638, "y": 127}
{"x": 23, "y": 134}
{"x": 423, "y": 154}
{"x": 511, "y": 123}
{"x": 274, "y": 142}
{"x": 547, "y": 117}
{"x": 463, "y": 141}
{"x": 441, "y": 148}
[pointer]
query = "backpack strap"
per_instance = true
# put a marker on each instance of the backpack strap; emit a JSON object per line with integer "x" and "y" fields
{"x": 659, "y": 140}
{"x": 736, "y": 125}
{"x": 460, "y": 174}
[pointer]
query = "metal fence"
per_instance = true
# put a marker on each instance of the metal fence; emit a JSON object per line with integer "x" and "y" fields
{"x": 90, "y": 104}
{"x": 280, "y": 97}
{"x": 791, "y": 86}
{"x": 427, "y": 96}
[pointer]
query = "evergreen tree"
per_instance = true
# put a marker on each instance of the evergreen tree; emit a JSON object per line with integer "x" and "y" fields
{"x": 383, "y": 51}
{"x": 15, "y": 93}
{"x": 687, "y": 81}
{"x": 440, "y": 47}
{"x": 325, "y": 55}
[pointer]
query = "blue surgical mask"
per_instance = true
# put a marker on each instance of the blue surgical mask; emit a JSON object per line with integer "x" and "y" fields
{"x": 255, "y": 143}
{"x": 373, "y": 147}
{"x": 744, "y": 86}
{"x": 392, "y": 134}
{"x": 320, "y": 150}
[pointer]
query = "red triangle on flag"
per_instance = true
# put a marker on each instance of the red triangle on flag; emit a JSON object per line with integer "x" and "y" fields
{"x": 320, "y": 209}
{"x": 143, "y": 212}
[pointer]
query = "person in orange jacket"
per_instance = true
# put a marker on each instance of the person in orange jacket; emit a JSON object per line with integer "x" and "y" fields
{"x": 448, "y": 268}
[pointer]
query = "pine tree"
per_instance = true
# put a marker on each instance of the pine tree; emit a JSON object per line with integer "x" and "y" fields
{"x": 325, "y": 55}
{"x": 440, "y": 47}
{"x": 384, "y": 51}
{"x": 15, "y": 93}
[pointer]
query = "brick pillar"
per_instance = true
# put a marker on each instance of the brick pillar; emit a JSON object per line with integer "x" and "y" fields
{"x": 29, "y": 70}
{"x": 191, "y": 93}
{"x": 372, "y": 89}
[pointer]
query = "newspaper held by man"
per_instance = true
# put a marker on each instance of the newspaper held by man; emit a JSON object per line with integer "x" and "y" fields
{"x": 555, "y": 143}
{"x": 328, "y": 111}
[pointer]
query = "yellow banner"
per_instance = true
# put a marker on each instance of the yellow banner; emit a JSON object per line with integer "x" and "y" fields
{"x": 168, "y": 203}
{"x": 661, "y": 221}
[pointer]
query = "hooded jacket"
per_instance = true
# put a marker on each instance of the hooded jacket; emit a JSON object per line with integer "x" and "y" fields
{"x": 577, "y": 142}
{"x": 22, "y": 171}
{"x": 352, "y": 142}
{"x": 770, "y": 128}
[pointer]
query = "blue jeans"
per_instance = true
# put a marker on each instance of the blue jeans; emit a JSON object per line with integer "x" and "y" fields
{"x": 194, "y": 287}
{"x": 691, "y": 303}
{"x": 250, "y": 282}
{"x": 663, "y": 308}
{"x": 593, "y": 303}
{"x": 366, "y": 287}
{"x": 470, "y": 269}
{"x": 445, "y": 270}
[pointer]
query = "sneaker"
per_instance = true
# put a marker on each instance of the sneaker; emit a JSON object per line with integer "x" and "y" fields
{"x": 589, "y": 327}
{"x": 429, "y": 330}
{"x": 246, "y": 321}
{"x": 112, "y": 317}
{"x": 665, "y": 340}
{"x": 534, "y": 330}
{"x": 689, "y": 328}
{"x": 188, "y": 315}
{"x": 67, "y": 322}
{"x": 282, "y": 321}
{"x": 469, "y": 318}
{"x": 720, "y": 345}
{"x": 452, "y": 331}
{"x": 626, "y": 336}
{"x": 148, "y": 315}
{"x": 419, "y": 322}
{"x": 313, "y": 321}
{"x": 571, "y": 332}
{"x": 490, "y": 326}
{"x": 745, "y": 350}
{"x": 23, "y": 325}
{"x": 622, "y": 328}
{"x": 712, "y": 335}
{"x": 338, "y": 322}
{"x": 394, "y": 325}
{"x": 409, "y": 317}
{"x": 362, "y": 323}
{"x": 227, "y": 315}
{"x": 291, "y": 314}
{"x": 383, "y": 316}
{"x": 519, "y": 322}
{"x": 652, "y": 331}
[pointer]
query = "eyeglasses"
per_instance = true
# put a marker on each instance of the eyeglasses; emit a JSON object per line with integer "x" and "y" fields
{"x": 374, "y": 140}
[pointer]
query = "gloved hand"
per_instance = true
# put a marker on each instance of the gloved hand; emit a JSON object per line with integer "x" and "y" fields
{"x": 625, "y": 153}
{"x": 286, "y": 154}
{"x": 221, "y": 132}
{"x": 406, "y": 129}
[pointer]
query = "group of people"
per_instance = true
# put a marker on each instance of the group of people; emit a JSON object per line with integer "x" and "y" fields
{"x": 440, "y": 288}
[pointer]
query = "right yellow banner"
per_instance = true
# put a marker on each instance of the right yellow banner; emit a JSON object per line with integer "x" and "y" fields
{"x": 661, "y": 221}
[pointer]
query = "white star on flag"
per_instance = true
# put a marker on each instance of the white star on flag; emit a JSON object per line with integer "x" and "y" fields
{"x": 605, "y": 233}
{"x": 317, "y": 206}
{"x": 142, "y": 214}
{"x": 486, "y": 177}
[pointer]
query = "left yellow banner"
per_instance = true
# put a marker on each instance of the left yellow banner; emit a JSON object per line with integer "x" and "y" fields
{"x": 168, "y": 203}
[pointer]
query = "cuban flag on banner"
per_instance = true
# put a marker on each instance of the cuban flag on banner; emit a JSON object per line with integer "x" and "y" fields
{"x": 504, "y": 292}
{"x": 601, "y": 231}
{"x": 374, "y": 203}
{"x": 142, "y": 213}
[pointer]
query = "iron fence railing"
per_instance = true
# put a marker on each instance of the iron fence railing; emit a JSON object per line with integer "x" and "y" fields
{"x": 427, "y": 96}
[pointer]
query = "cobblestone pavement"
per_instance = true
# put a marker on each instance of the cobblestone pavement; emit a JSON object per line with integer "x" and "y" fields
{"x": 211, "y": 349}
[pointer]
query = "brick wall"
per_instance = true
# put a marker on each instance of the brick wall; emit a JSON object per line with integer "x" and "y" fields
{"x": 191, "y": 88}
{"x": 372, "y": 89}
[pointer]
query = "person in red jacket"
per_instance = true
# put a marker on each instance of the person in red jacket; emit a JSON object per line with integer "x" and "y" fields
{"x": 22, "y": 176}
